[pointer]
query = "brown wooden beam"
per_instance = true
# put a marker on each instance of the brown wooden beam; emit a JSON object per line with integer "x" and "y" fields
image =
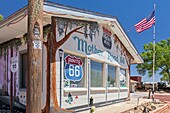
{"x": 34, "y": 48}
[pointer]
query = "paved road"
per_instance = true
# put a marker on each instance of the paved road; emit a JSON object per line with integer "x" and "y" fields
{"x": 122, "y": 106}
{"x": 162, "y": 96}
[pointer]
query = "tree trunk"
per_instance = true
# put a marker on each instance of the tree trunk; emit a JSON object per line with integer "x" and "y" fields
{"x": 53, "y": 65}
{"x": 47, "y": 105}
{"x": 34, "y": 48}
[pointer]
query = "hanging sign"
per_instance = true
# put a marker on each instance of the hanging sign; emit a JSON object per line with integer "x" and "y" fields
{"x": 37, "y": 44}
{"x": 36, "y": 30}
{"x": 106, "y": 38}
{"x": 73, "y": 68}
{"x": 14, "y": 64}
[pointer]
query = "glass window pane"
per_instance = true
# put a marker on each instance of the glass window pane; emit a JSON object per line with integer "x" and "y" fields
{"x": 72, "y": 72}
{"x": 111, "y": 81}
{"x": 122, "y": 77}
{"x": 23, "y": 70}
{"x": 96, "y": 74}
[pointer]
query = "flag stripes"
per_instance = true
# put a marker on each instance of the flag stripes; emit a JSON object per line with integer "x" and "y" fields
{"x": 145, "y": 23}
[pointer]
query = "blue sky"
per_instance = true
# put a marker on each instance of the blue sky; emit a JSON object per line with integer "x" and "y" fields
{"x": 129, "y": 12}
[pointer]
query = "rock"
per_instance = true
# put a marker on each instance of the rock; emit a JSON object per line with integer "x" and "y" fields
{"x": 153, "y": 107}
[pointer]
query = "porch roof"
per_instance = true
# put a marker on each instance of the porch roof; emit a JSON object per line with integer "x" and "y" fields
{"x": 15, "y": 26}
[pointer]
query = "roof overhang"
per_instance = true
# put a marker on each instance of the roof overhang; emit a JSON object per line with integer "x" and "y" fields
{"x": 15, "y": 25}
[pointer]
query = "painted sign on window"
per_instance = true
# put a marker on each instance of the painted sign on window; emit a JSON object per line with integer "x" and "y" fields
{"x": 73, "y": 68}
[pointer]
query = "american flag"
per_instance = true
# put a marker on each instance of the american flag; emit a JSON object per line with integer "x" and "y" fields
{"x": 145, "y": 23}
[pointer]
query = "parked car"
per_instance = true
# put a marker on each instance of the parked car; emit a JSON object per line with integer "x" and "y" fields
{"x": 149, "y": 85}
{"x": 161, "y": 86}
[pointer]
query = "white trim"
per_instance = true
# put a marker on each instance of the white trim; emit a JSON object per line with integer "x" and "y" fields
{"x": 123, "y": 87}
{"x": 74, "y": 89}
{"x": 112, "y": 88}
{"x": 97, "y": 89}
{"x": 104, "y": 59}
{"x": 72, "y": 13}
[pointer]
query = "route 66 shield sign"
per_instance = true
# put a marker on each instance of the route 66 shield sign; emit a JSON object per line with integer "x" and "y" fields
{"x": 14, "y": 64}
{"x": 73, "y": 68}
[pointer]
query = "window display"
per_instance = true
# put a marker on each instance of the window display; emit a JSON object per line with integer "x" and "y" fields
{"x": 96, "y": 74}
{"x": 122, "y": 77}
{"x": 23, "y": 69}
{"x": 73, "y": 71}
{"x": 111, "y": 80}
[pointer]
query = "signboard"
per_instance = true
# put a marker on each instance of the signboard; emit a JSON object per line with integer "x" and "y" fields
{"x": 37, "y": 44}
{"x": 36, "y": 30}
{"x": 106, "y": 38}
{"x": 14, "y": 64}
{"x": 73, "y": 68}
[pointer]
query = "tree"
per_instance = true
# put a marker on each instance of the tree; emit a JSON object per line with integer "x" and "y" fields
{"x": 164, "y": 78}
{"x": 1, "y": 17}
{"x": 162, "y": 59}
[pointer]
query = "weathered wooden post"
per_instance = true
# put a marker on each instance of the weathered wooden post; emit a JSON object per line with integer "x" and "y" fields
{"x": 11, "y": 87}
{"x": 34, "y": 48}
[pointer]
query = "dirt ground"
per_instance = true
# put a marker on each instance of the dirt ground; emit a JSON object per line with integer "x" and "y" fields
{"x": 162, "y": 99}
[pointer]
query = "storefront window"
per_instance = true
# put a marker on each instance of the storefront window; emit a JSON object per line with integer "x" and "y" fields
{"x": 96, "y": 74}
{"x": 122, "y": 77}
{"x": 73, "y": 71}
{"x": 23, "y": 69}
{"x": 111, "y": 81}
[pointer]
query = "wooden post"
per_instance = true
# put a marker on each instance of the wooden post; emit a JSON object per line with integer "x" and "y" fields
{"x": 15, "y": 74}
{"x": 7, "y": 71}
{"x": 129, "y": 80}
{"x": 34, "y": 48}
{"x": 11, "y": 87}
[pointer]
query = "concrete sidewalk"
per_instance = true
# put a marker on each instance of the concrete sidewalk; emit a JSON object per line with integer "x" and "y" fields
{"x": 122, "y": 106}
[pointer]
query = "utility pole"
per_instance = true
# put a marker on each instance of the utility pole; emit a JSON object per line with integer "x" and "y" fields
{"x": 34, "y": 49}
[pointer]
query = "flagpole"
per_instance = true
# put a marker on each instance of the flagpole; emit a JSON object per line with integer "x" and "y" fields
{"x": 153, "y": 73}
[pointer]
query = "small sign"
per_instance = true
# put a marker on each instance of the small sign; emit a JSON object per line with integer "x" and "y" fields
{"x": 37, "y": 44}
{"x": 73, "y": 68}
{"x": 14, "y": 64}
{"x": 36, "y": 30}
{"x": 106, "y": 38}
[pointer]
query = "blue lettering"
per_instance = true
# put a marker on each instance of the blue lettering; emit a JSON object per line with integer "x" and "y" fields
{"x": 88, "y": 49}
{"x": 122, "y": 60}
{"x": 82, "y": 45}
{"x": 111, "y": 57}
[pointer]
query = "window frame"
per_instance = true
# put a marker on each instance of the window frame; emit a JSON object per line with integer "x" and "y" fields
{"x": 21, "y": 53}
{"x": 115, "y": 77}
{"x": 126, "y": 82}
{"x": 103, "y": 78}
